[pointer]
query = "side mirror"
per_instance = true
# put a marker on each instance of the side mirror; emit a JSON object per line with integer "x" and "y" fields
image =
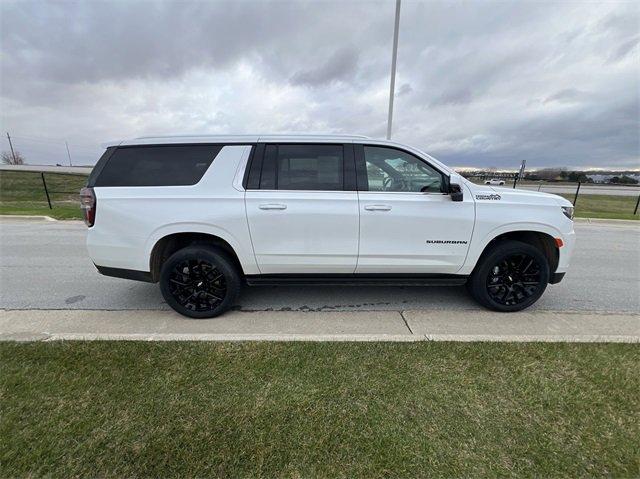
{"x": 455, "y": 191}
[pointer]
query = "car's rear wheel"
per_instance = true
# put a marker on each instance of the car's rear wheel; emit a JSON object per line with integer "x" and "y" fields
{"x": 511, "y": 276}
{"x": 199, "y": 282}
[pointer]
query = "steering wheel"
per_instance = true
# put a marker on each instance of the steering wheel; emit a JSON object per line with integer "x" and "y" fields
{"x": 386, "y": 182}
{"x": 428, "y": 187}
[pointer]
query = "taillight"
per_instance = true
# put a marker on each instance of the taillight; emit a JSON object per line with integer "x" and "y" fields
{"x": 88, "y": 205}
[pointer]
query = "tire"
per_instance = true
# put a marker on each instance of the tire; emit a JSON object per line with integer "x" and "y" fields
{"x": 200, "y": 281}
{"x": 510, "y": 276}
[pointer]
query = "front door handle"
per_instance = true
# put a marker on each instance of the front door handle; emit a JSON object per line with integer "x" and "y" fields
{"x": 377, "y": 208}
{"x": 272, "y": 206}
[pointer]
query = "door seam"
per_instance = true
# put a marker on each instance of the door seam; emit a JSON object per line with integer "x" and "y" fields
{"x": 246, "y": 216}
{"x": 359, "y": 225}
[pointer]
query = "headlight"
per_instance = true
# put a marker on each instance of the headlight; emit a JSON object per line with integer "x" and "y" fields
{"x": 568, "y": 211}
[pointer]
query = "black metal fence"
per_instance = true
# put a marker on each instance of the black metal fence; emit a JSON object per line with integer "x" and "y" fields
{"x": 62, "y": 189}
{"x": 40, "y": 188}
{"x": 604, "y": 197}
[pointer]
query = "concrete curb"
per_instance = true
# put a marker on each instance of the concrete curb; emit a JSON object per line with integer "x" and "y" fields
{"x": 360, "y": 326}
{"x": 236, "y": 337}
{"x": 532, "y": 338}
{"x": 606, "y": 220}
{"x": 407, "y": 338}
{"x": 468, "y": 338}
{"x": 29, "y": 217}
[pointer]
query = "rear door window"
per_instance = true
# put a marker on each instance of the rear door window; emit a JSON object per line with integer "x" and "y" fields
{"x": 171, "y": 165}
{"x": 303, "y": 167}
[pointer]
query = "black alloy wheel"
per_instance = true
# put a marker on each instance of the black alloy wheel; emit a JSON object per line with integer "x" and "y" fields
{"x": 197, "y": 285}
{"x": 514, "y": 279}
{"x": 200, "y": 281}
{"x": 509, "y": 276}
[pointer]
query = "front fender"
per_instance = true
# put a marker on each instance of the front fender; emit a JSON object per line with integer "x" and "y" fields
{"x": 478, "y": 246}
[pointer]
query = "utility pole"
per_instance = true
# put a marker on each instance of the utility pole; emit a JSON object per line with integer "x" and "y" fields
{"x": 68, "y": 154}
{"x": 520, "y": 173}
{"x": 11, "y": 146}
{"x": 394, "y": 57}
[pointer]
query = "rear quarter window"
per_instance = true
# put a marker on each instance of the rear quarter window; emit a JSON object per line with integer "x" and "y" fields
{"x": 174, "y": 165}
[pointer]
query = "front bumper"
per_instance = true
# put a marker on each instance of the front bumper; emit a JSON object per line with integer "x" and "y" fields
{"x": 569, "y": 239}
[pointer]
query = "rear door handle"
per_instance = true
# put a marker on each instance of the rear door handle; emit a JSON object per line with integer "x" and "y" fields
{"x": 377, "y": 208}
{"x": 272, "y": 206}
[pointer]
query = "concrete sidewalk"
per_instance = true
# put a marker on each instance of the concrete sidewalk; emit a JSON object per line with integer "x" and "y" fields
{"x": 419, "y": 325}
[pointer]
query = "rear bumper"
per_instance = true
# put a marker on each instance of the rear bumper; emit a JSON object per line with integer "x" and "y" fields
{"x": 126, "y": 273}
{"x": 556, "y": 278}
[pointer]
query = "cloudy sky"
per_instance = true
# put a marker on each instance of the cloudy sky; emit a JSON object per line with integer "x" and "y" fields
{"x": 478, "y": 83}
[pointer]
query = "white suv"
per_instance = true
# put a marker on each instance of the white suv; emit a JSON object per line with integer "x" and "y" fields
{"x": 204, "y": 215}
{"x": 494, "y": 182}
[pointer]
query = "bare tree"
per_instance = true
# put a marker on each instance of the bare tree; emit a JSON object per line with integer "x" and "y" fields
{"x": 12, "y": 159}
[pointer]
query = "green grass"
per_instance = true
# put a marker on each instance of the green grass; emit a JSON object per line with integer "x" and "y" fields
{"x": 22, "y": 193}
{"x": 70, "y": 211}
{"x": 605, "y": 206}
{"x": 133, "y": 409}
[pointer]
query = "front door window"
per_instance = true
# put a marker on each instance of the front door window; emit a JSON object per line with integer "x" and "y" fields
{"x": 393, "y": 170}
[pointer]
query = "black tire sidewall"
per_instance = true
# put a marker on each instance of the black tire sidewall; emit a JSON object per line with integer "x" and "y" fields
{"x": 213, "y": 256}
{"x": 478, "y": 283}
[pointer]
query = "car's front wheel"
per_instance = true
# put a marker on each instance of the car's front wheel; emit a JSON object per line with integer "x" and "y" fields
{"x": 511, "y": 276}
{"x": 199, "y": 281}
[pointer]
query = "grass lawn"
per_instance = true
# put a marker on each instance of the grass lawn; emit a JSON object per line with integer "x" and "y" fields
{"x": 104, "y": 409}
{"x": 22, "y": 193}
{"x": 60, "y": 211}
{"x": 605, "y": 206}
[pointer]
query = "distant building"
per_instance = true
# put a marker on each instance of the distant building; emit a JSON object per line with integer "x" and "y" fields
{"x": 607, "y": 178}
{"x": 600, "y": 178}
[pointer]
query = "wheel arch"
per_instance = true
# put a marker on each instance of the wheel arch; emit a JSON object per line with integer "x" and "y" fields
{"x": 168, "y": 244}
{"x": 539, "y": 236}
{"x": 544, "y": 241}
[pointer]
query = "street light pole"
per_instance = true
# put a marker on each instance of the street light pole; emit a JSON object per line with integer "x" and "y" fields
{"x": 13, "y": 155}
{"x": 394, "y": 57}
{"x": 68, "y": 154}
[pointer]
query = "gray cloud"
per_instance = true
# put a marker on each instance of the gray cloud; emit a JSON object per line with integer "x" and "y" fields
{"x": 624, "y": 49}
{"x": 480, "y": 83}
{"x": 340, "y": 66}
{"x": 456, "y": 96}
{"x": 404, "y": 89}
{"x": 568, "y": 95}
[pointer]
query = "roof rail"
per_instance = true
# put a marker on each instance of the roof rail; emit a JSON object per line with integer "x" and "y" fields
{"x": 307, "y": 135}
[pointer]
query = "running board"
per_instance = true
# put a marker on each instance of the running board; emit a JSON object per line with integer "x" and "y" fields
{"x": 357, "y": 279}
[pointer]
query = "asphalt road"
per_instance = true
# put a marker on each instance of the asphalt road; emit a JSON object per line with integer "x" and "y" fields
{"x": 44, "y": 265}
{"x": 80, "y": 170}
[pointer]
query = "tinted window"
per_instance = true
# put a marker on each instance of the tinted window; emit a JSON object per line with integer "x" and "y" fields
{"x": 268, "y": 174}
{"x": 93, "y": 176}
{"x": 157, "y": 165}
{"x": 392, "y": 170}
{"x": 254, "y": 165}
{"x": 309, "y": 167}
